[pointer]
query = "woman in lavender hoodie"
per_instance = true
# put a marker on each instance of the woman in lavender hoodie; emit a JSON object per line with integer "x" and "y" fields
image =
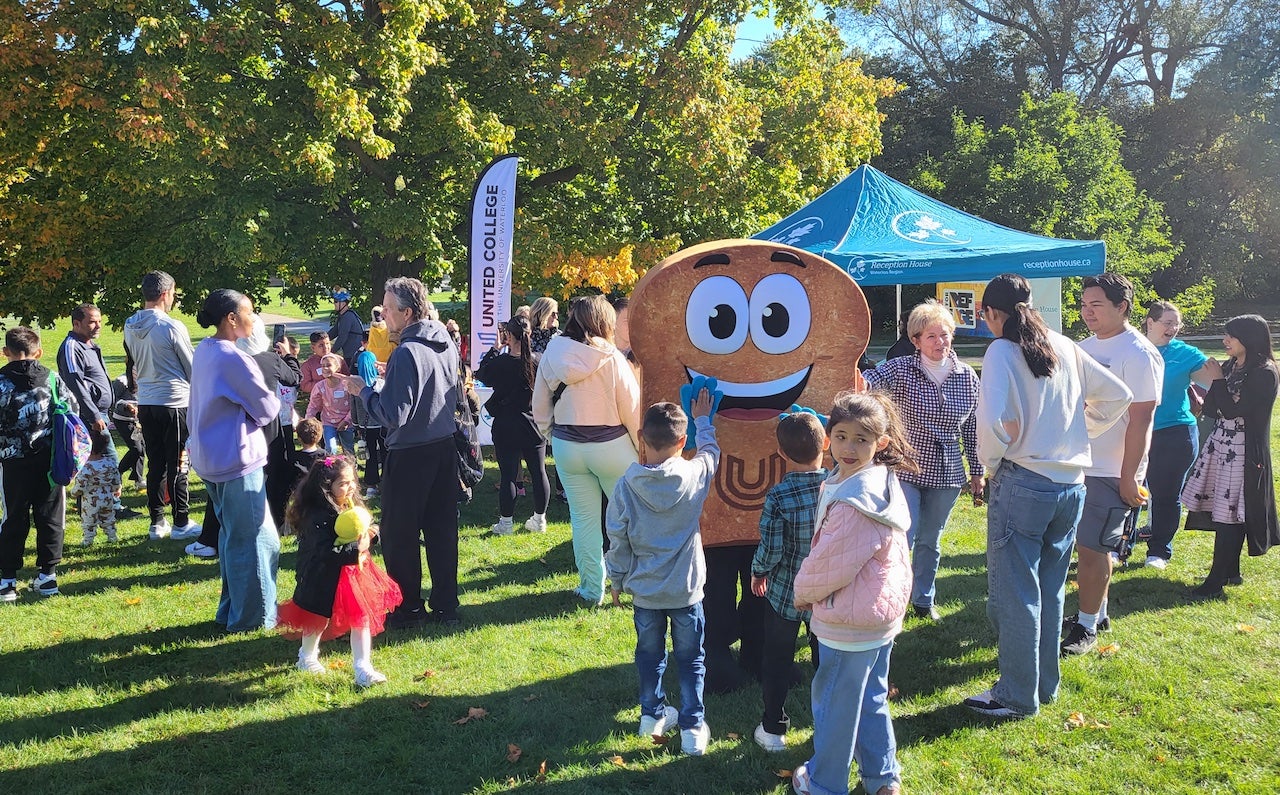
{"x": 230, "y": 404}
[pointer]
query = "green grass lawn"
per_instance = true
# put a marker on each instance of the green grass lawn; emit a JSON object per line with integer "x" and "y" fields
{"x": 124, "y": 684}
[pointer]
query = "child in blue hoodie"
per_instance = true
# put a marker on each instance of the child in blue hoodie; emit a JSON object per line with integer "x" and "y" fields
{"x": 655, "y": 554}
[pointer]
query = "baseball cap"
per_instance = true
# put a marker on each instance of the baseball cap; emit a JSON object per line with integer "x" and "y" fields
{"x": 341, "y": 295}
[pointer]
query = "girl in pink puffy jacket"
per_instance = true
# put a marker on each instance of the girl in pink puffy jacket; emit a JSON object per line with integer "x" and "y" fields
{"x": 857, "y": 582}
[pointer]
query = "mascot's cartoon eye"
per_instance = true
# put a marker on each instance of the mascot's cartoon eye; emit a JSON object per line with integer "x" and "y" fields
{"x": 780, "y": 314}
{"x": 716, "y": 315}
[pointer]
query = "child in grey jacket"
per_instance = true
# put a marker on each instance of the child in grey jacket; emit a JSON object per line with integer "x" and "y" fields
{"x": 655, "y": 555}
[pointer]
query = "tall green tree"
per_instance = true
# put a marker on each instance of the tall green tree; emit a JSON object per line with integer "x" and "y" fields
{"x": 338, "y": 143}
{"x": 1056, "y": 170}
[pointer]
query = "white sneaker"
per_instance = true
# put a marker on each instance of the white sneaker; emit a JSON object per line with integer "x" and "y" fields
{"x": 201, "y": 550}
{"x": 160, "y": 530}
{"x": 189, "y": 530}
{"x": 112, "y": 537}
{"x": 311, "y": 665}
{"x": 770, "y": 742}
{"x": 694, "y": 741}
{"x": 45, "y": 584}
{"x": 800, "y": 779}
{"x": 651, "y": 726}
{"x": 88, "y": 540}
{"x": 536, "y": 523}
{"x": 368, "y": 677}
{"x": 1154, "y": 562}
{"x": 504, "y": 527}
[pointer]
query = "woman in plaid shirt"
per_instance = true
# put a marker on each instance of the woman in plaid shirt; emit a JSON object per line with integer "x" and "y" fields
{"x": 937, "y": 395}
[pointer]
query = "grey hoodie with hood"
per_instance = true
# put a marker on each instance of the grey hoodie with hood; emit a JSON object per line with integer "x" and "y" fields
{"x": 655, "y": 551}
{"x": 161, "y": 350}
{"x": 417, "y": 399}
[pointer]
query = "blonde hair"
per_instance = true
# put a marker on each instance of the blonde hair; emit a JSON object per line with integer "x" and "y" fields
{"x": 925, "y": 315}
{"x": 542, "y": 311}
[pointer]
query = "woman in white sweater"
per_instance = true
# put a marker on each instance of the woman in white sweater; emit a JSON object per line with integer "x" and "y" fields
{"x": 1042, "y": 399}
{"x": 587, "y": 400}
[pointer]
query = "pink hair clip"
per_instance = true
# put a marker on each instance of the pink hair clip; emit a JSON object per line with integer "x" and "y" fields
{"x": 329, "y": 461}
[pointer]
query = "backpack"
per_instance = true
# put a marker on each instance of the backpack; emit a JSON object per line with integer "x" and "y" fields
{"x": 71, "y": 441}
{"x": 466, "y": 439}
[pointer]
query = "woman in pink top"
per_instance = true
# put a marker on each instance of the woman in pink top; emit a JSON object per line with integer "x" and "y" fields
{"x": 331, "y": 402}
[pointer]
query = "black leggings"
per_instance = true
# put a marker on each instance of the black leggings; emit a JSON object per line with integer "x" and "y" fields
{"x": 509, "y": 456}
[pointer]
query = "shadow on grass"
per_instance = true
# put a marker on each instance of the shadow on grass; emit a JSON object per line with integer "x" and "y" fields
{"x": 579, "y": 726}
{"x": 205, "y": 675}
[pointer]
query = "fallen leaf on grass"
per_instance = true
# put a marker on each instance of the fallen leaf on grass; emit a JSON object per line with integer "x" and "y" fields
{"x": 1108, "y": 649}
{"x": 617, "y": 760}
{"x": 543, "y": 561}
{"x": 336, "y": 665}
{"x": 133, "y": 601}
{"x": 658, "y": 739}
{"x": 421, "y": 704}
{"x": 1078, "y": 720}
{"x": 513, "y": 752}
{"x": 733, "y": 736}
{"x": 427, "y": 674}
{"x": 473, "y": 713}
{"x": 1245, "y": 628}
{"x": 782, "y": 773}
{"x": 893, "y": 692}
{"x": 542, "y": 772}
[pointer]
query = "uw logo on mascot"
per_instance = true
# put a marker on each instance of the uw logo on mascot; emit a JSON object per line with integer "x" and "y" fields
{"x": 775, "y": 326}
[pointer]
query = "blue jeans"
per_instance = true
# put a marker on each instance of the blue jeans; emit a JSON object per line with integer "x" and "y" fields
{"x": 248, "y": 553}
{"x": 1173, "y": 450}
{"x": 587, "y": 471}
{"x": 333, "y": 438}
{"x": 851, "y": 721}
{"x": 930, "y": 509}
{"x": 1031, "y": 526}
{"x": 687, "y": 628}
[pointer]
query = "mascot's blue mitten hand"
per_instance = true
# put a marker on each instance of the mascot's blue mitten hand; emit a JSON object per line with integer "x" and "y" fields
{"x": 689, "y": 391}
{"x": 798, "y": 409}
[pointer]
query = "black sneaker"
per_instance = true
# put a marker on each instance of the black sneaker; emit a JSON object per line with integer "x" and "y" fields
{"x": 406, "y": 619}
{"x": 1079, "y": 640}
{"x": 9, "y": 591}
{"x": 1236, "y": 580}
{"x": 1208, "y": 590}
{"x": 451, "y": 619}
{"x": 1104, "y": 624}
{"x": 929, "y": 612}
{"x": 985, "y": 704}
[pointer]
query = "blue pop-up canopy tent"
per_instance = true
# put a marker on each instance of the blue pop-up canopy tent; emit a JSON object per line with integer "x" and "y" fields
{"x": 883, "y": 232}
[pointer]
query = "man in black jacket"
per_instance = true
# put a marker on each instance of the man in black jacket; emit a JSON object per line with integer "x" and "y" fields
{"x": 420, "y": 481}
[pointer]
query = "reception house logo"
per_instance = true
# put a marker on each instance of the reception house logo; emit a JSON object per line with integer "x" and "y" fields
{"x": 921, "y": 227}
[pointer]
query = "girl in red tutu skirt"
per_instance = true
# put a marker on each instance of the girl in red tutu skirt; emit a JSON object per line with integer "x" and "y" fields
{"x": 340, "y": 589}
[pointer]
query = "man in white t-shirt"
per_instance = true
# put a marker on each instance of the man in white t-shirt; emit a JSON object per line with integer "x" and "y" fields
{"x": 1113, "y": 482}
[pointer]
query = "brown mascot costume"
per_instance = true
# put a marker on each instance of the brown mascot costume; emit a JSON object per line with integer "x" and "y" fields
{"x": 776, "y": 326}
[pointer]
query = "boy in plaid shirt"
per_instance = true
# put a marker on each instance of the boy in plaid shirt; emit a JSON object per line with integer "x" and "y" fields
{"x": 786, "y": 531}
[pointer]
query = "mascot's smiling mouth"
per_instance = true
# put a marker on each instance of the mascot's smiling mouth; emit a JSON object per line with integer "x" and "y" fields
{"x": 762, "y": 400}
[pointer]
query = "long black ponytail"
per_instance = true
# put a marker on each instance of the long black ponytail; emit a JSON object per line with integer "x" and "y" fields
{"x": 1011, "y": 294}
